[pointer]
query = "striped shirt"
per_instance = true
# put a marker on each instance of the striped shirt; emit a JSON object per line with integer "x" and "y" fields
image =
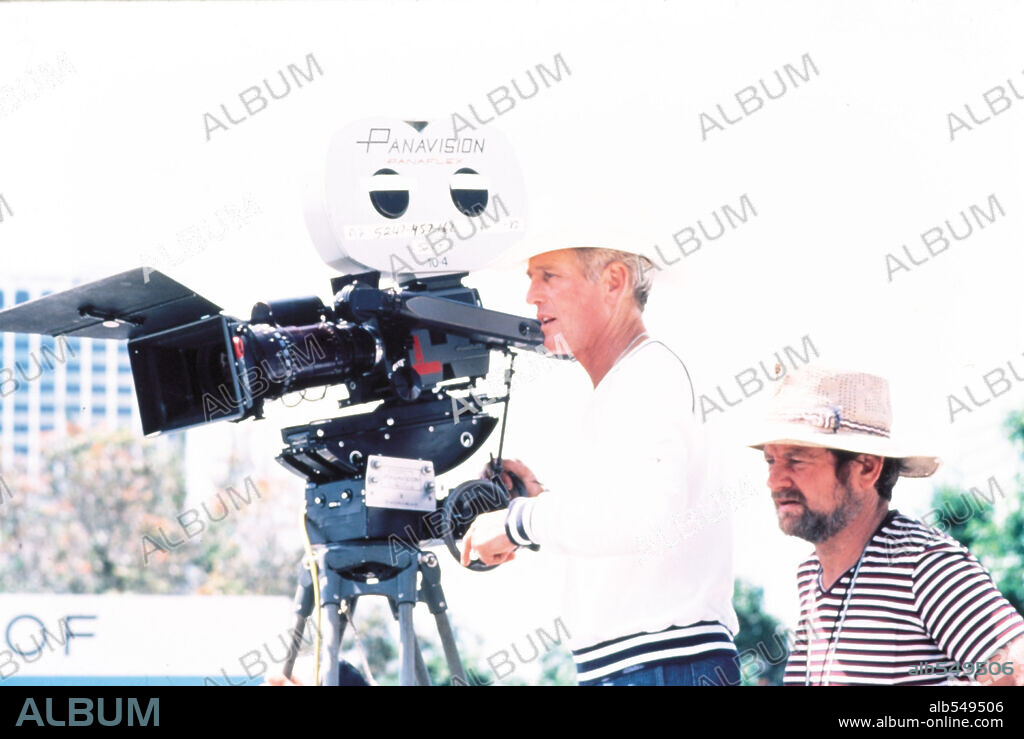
{"x": 920, "y": 597}
{"x": 677, "y": 643}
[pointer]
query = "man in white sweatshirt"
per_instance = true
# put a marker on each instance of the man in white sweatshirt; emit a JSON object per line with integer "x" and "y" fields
{"x": 638, "y": 614}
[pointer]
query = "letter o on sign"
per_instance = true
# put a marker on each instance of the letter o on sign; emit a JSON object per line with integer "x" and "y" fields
{"x": 42, "y": 630}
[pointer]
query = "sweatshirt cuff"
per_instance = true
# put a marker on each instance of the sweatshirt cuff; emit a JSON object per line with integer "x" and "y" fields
{"x": 517, "y": 522}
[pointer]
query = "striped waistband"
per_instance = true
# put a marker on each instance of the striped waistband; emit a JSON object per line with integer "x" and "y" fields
{"x": 695, "y": 641}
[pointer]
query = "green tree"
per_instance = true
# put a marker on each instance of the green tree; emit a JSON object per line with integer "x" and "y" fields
{"x": 557, "y": 667}
{"x": 970, "y": 519}
{"x": 762, "y": 633}
{"x": 253, "y": 550}
{"x": 80, "y": 526}
{"x": 77, "y": 528}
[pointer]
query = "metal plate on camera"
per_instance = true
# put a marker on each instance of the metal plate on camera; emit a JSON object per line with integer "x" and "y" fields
{"x": 395, "y": 482}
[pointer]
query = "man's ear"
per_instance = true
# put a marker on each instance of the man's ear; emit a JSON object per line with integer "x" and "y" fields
{"x": 867, "y": 468}
{"x": 615, "y": 279}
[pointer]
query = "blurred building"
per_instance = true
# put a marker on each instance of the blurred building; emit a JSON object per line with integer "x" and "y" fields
{"x": 48, "y": 386}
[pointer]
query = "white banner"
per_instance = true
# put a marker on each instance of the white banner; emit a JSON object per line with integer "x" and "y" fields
{"x": 141, "y": 639}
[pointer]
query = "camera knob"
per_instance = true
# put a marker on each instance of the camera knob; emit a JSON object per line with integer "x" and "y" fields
{"x": 407, "y": 383}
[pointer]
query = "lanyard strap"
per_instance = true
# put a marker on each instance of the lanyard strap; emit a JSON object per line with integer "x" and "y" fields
{"x": 636, "y": 338}
{"x": 833, "y": 639}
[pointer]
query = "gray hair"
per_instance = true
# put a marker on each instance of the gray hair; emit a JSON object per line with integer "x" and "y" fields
{"x": 593, "y": 260}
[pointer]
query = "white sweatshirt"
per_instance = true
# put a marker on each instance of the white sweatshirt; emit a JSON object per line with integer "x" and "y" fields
{"x": 647, "y": 547}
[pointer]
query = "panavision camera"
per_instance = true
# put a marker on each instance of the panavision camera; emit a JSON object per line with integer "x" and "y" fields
{"x": 404, "y": 200}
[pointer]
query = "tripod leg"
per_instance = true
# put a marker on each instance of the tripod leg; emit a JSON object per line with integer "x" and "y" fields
{"x": 407, "y": 672}
{"x": 334, "y": 623}
{"x": 433, "y": 595}
{"x": 451, "y": 652}
{"x": 303, "y": 607}
{"x": 422, "y": 674}
{"x": 293, "y": 649}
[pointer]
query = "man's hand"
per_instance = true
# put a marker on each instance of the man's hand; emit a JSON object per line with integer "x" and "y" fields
{"x": 487, "y": 537}
{"x": 280, "y": 679}
{"x": 1012, "y": 653}
{"x": 520, "y": 470}
{"x": 305, "y": 666}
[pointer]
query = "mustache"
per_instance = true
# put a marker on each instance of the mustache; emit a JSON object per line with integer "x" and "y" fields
{"x": 791, "y": 494}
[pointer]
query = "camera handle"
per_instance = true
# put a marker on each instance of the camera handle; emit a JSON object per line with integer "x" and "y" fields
{"x": 475, "y": 497}
{"x": 471, "y": 499}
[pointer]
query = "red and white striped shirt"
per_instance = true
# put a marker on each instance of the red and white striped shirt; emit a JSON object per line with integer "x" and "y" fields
{"x": 920, "y": 597}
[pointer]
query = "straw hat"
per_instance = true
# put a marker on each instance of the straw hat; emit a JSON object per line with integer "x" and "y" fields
{"x": 833, "y": 409}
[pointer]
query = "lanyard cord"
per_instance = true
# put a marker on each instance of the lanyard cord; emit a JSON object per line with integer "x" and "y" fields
{"x": 833, "y": 639}
{"x": 508, "y": 396}
{"x": 630, "y": 346}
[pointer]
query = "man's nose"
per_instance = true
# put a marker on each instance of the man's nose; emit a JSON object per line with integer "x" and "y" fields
{"x": 778, "y": 478}
{"x": 533, "y": 295}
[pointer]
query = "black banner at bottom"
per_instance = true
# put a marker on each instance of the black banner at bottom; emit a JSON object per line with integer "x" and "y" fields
{"x": 266, "y": 709}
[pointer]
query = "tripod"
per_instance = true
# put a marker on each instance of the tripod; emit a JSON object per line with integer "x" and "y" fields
{"x": 368, "y": 512}
{"x": 337, "y": 564}
{"x": 357, "y": 500}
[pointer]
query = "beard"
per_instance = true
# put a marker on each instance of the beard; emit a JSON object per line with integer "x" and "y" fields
{"x": 814, "y": 526}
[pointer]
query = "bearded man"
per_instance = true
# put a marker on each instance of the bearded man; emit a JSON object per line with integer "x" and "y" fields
{"x": 884, "y": 599}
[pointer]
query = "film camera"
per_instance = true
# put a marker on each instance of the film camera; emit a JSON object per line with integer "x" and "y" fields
{"x": 403, "y": 199}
